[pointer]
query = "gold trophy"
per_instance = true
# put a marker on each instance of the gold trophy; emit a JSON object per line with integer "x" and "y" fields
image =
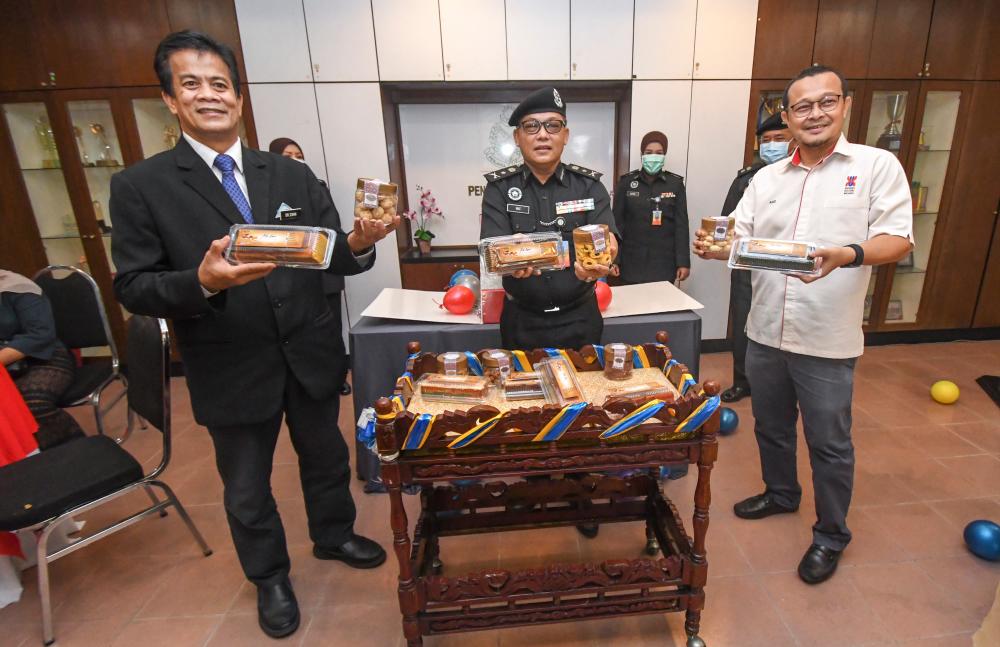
{"x": 891, "y": 138}
{"x": 47, "y": 139}
{"x": 170, "y": 136}
{"x": 105, "y": 158}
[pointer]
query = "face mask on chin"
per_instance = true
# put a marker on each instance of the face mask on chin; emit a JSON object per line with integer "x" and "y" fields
{"x": 771, "y": 152}
{"x": 652, "y": 163}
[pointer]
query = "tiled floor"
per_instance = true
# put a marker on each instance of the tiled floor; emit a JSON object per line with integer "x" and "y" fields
{"x": 923, "y": 471}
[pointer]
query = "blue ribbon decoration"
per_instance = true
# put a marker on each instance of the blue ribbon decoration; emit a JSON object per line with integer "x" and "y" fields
{"x": 633, "y": 419}
{"x": 521, "y": 362}
{"x": 639, "y": 359}
{"x": 475, "y": 433}
{"x": 700, "y": 415}
{"x": 475, "y": 367}
{"x": 419, "y": 431}
{"x": 599, "y": 349}
{"x": 557, "y": 426}
{"x": 687, "y": 381}
{"x": 366, "y": 435}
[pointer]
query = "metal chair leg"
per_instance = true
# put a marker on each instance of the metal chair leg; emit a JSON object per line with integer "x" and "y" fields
{"x": 174, "y": 501}
{"x": 42, "y": 555}
{"x": 154, "y": 499}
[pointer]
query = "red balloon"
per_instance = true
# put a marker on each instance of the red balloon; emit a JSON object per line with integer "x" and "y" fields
{"x": 459, "y": 300}
{"x": 603, "y": 295}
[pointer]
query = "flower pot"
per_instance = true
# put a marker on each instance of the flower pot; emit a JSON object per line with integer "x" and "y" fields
{"x": 424, "y": 246}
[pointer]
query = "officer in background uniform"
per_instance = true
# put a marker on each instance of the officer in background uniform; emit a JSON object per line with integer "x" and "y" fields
{"x": 775, "y": 143}
{"x": 651, "y": 213}
{"x": 557, "y": 308}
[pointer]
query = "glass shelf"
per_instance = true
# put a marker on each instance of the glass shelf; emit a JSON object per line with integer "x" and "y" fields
{"x": 38, "y": 168}
{"x": 933, "y": 150}
{"x": 910, "y": 270}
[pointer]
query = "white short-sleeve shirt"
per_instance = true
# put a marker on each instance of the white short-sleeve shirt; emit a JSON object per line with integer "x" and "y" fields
{"x": 854, "y": 194}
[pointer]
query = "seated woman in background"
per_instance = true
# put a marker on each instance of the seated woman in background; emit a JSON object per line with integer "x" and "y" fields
{"x": 41, "y": 366}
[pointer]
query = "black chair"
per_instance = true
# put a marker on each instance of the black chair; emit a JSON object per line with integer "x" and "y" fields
{"x": 81, "y": 323}
{"x": 40, "y": 491}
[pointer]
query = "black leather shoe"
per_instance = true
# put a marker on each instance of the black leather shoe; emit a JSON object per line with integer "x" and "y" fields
{"x": 277, "y": 610}
{"x": 818, "y": 564}
{"x": 357, "y": 552}
{"x": 588, "y": 530}
{"x": 735, "y": 393}
{"x": 760, "y": 506}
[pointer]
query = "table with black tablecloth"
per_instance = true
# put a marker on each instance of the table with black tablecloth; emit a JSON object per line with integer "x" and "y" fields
{"x": 378, "y": 352}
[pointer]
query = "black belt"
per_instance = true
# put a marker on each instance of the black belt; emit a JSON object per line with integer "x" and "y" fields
{"x": 572, "y": 305}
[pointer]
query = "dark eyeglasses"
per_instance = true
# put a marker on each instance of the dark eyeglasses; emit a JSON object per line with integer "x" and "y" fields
{"x": 532, "y": 126}
{"x": 803, "y": 109}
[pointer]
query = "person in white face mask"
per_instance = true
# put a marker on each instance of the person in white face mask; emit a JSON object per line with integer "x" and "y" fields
{"x": 776, "y": 143}
{"x": 650, "y": 210}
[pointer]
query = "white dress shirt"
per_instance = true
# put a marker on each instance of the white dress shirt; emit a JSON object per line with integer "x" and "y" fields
{"x": 235, "y": 151}
{"x": 854, "y": 194}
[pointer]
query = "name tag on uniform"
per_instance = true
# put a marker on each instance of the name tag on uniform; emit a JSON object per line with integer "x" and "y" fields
{"x": 287, "y": 213}
{"x": 518, "y": 208}
{"x": 632, "y": 194}
{"x": 575, "y": 206}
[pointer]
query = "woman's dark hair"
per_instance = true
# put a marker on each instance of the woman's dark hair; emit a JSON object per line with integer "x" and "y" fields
{"x": 278, "y": 145}
{"x": 814, "y": 70}
{"x": 187, "y": 39}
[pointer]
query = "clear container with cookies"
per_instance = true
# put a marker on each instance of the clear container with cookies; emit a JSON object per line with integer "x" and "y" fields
{"x": 617, "y": 361}
{"x": 543, "y": 251}
{"x": 592, "y": 245}
{"x": 453, "y": 388}
{"x": 559, "y": 381}
{"x": 719, "y": 234}
{"x": 452, "y": 363}
{"x": 376, "y": 200}
{"x": 524, "y": 386}
{"x": 283, "y": 245}
{"x": 790, "y": 256}
{"x": 498, "y": 364}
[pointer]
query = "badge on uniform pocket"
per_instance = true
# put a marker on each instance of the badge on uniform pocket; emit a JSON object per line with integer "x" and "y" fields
{"x": 286, "y": 213}
{"x": 574, "y": 206}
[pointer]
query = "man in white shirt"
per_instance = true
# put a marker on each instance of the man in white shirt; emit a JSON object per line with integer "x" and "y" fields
{"x": 805, "y": 332}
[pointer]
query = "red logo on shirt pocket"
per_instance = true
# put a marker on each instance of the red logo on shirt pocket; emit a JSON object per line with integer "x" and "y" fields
{"x": 851, "y": 184}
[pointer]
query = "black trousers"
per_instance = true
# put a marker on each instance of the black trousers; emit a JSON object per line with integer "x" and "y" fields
{"x": 244, "y": 456}
{"x": 333, "y": 300}
{"x": 525, "y": 330}
{"x": 740, "y": 294}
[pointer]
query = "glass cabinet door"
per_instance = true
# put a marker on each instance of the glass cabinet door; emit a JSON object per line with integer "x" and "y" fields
{"x": 930, "y": 170}
{"x": 35, "y": 144}
{"x": 886, "y": 119}
{"x": 158, "y": 128}
{"x": 101, "y": 157}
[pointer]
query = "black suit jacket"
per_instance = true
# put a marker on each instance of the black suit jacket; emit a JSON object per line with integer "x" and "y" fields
{"x": 239, "y": 345}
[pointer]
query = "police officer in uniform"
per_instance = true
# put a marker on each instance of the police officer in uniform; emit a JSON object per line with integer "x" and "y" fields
{"x": 557, "y": 308}
{"x": 651, "y": 213}
{"x": 775, "y": 144}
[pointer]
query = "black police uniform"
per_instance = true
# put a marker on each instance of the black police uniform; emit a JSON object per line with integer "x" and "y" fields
{"x": 652, "y": 249}
{"x": 739, "y": 283}
{"x": 555, "y": 309}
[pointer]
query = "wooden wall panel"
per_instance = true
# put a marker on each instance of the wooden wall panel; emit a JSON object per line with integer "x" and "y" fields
{"x": 784, "y": 42}
{"x": 844, "y": 35}
{"x": 899, "y": 39}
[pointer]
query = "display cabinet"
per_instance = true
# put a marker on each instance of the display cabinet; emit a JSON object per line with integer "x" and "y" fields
{"x": 921, "y": 124}
{"x": 59, "y": 150}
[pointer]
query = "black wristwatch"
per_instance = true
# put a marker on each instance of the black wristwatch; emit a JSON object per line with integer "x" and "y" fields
{"x": 859, "y": 256}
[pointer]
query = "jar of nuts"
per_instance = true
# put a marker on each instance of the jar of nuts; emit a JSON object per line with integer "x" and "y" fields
{"x": 592, "y": 246}
{"x": 617, "y": 361}
{"x": 717, "y": 234}
{"x": 376, "y": 200}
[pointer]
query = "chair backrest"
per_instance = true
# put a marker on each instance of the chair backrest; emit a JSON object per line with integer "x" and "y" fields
{"x": 148, "y": 370}
{"x": 81, "y": 321}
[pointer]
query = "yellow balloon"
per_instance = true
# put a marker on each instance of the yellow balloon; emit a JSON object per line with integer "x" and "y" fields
{"x": 944, "y": 392}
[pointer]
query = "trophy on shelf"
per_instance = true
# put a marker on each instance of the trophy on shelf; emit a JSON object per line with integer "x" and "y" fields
{"x": 892, "y": 137}
{"x": 47, "y": 139}
{"x": 83, "y": 149}
{"x": 170, "y": 136}
{"x": 99, "y": 216}
{"x": 105, "y": 158}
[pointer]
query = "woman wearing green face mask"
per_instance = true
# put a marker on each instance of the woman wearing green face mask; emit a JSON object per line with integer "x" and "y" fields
{"x": 650, "y": 209}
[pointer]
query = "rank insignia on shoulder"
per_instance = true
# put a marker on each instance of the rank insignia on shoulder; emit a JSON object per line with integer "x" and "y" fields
{"x": 500, "y": 173}
{"x": 586, "y": 172}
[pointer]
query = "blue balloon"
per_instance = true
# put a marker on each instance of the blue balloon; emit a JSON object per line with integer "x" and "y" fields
{"x": 728, "y": 421}
{"x": 983, "y": 539}
{"x": 459, "y": 274}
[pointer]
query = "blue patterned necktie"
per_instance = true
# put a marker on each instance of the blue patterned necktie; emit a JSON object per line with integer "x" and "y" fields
{"x": 226, "y": 164}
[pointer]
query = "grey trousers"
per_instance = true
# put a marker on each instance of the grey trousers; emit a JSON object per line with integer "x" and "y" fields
{"x": 783, "y": 384}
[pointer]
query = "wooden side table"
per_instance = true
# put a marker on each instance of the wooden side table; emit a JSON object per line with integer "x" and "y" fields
{"x": 499, "y": 499}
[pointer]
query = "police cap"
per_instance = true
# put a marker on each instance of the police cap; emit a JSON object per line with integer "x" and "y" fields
{"x": 544, "y": 100}
{"x": 773, "y": 122}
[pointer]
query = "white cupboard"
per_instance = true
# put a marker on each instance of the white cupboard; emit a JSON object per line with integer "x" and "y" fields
{"x": 537, "y": 40}
{"x": 473, "y": 40}
{"x": 289, "y": 110}
{"x": 601, "y": 39}
{"x": 408, "y": 39}
{"x": 275, "y": 45}
{"x": 663, "y": 106}
{"x": 724, "y": 40}
{"x": 664, "y": 39}
{"x": 341, "y": 40}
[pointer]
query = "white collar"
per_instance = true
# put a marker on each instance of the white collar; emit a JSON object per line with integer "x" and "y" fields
{"x": 204, "y": 152}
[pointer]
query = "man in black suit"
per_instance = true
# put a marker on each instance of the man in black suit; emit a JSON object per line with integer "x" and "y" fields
{"x": 258, "y": 342}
